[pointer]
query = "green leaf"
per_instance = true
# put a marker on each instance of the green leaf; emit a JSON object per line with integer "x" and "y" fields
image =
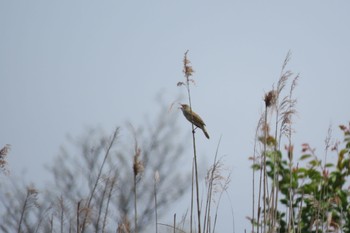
{"x": 284, "y": 202}
{"x": 315, "y": 163}
{"x": 306, "y": 156}
{"x": 314, "y": 175}
{"x": 256, "y": 167}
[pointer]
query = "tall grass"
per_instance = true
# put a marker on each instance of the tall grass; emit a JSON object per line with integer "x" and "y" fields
{"x": 288, "y": 195}
{"x": 214, "y": 176}
{"x": 88, "y": 205}
{"x": 188, "y": 71}
{"x": 264, "y": 217}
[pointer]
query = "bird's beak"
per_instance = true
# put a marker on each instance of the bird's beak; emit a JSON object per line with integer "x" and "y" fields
{"x": 181, "y": 106}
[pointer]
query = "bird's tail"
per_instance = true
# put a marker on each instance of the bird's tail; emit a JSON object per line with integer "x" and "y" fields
{"x": 205, "y": 132}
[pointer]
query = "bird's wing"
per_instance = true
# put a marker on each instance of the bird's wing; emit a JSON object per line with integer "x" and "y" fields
{"x": 198, "y": 120}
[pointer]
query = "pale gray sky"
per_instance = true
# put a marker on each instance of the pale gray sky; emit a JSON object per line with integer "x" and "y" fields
{"x": 66, "y": 65}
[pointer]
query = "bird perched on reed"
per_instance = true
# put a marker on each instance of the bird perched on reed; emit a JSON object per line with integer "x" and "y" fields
{"x": 193, "y": 117}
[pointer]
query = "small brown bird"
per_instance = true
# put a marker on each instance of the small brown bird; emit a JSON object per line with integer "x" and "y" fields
{"x": 194, "y": 118}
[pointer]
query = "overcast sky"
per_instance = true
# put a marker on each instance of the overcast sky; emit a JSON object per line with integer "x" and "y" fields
{"x": 68, "y": 65}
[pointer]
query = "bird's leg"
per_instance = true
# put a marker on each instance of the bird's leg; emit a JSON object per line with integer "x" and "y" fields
{"x": 194, "y": 130}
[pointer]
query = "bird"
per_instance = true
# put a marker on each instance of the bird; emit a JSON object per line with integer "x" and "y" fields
{"x": 194, "y": 118}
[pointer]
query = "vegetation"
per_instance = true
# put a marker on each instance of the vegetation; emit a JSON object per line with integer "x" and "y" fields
{"x": 304, "y": 195}
{"x": 104, "y": 184}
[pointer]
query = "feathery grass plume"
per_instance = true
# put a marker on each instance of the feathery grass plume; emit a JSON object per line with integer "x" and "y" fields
{"x": 84, "y": 215}
{"x": 213, "y": 181}
{"x": 60, "y": 209}
{"x": 287, "y": 108}
{"x": 215, "y": 178}
{"x": 188, "y": 70}
{"x": 32, "y": 193}
{"x": 224, "y": 186}
{"x": 31, "y": 200}
{"x": 270, "y": 98}
{"x": 124, "y": 226}
{"x": 3, "y": 154}
{"x": 217, "y": 183}
{"x": 138, "y": 168}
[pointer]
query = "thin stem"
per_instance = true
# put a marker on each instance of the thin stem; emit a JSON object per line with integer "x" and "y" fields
{"x": 259, "y": 195}
{"x": 62, "y": 213}
{"x": 135, "y": 202}
{"x": 78, "y": 221}
{"x": 101, "y": 205}
{"x": 171, "y": 226}
{"x": 195, "y": 160}
{"x": 22, "y": 212}
{"x": 265, "y": 172}
{"x": 155, "y": 204}
{"x": 275, "y": 187}
{"x": 51, "y": 224}
{"x": 98, "y": 177}
{"x": 253, "y": 181}
{"x": 192, "y": 191}
{"x": 108, "y": 201}
{"x": 209, "y": 192}
{"x": 188, "y": 70}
